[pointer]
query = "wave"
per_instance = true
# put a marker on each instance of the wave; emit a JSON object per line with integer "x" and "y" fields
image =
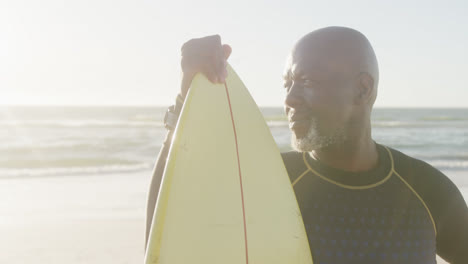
{"x": 391, "y": 124}
{"x": 42, "y": 172}
{"x": 414, "y": 124}
{"x": 80, "y": 123}
{"x": 442, "y": 118}
{"x": 456, "y": 156}
{"x": 82, "y": 146}
{"x": 277, "y": 123}
{"x": 449, "y": 164}
{"x": 25, "y": 147}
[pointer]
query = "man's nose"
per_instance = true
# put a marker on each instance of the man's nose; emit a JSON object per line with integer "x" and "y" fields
{"x": 294, "y": 97}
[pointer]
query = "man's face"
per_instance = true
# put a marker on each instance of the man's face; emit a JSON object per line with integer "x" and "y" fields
{"x": 319, "y": 100}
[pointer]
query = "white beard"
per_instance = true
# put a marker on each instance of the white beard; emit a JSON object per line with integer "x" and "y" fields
{"x": 313, "y": 140}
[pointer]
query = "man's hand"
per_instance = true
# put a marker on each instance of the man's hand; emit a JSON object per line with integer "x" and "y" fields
{"x": 204, "y": 55}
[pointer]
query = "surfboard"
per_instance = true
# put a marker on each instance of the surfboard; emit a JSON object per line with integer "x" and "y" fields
{"x": 225, "y": 195}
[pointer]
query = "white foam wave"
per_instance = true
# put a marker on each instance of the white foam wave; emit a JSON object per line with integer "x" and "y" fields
{"x": 277, "y": 123}
{"x": 80, "y": 123}
{"x": 28, "y": 145}
{"x": 449, "y": 164}
{"x": 38, "y": 172}
{"x": 395, "y": 124}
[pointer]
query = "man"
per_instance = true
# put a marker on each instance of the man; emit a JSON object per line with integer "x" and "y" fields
{"x": 361, "y": 202}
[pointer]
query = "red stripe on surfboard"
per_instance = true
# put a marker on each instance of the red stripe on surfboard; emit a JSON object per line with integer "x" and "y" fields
{"x": 240, "y": 175}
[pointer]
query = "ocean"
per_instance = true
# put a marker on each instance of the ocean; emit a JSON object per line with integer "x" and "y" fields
{"x": 63, "y": 141}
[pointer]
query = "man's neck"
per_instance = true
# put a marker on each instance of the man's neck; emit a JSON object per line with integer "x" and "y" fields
{"x": 355, "y": 155}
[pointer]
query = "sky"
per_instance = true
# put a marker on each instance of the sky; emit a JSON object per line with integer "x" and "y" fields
{"x": 112, "y": 52}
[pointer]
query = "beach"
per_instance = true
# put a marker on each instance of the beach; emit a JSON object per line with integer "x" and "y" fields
{"x": 75, "y": 219}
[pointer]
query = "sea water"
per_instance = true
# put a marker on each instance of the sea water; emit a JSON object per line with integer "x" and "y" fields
{"x": 62, "y": 141}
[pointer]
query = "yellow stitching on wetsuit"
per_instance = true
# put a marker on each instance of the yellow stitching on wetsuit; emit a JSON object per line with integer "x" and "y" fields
{"x": 420, "y": 199}
{"x": 300, "y": 177}
{"x": 411, "y": 188}
{"x": 351, "y": 186}
{"x": 392, "y": 163}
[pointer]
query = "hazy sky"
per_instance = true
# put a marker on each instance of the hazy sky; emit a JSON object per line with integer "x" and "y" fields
{"x": 103, "y": 52}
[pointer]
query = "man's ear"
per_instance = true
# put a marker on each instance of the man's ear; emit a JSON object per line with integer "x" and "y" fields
{"x": 365, "y": 88}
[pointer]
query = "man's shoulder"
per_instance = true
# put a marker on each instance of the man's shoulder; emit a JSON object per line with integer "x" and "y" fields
{"x": 422, "y": 176}
{"x": 411, "y": 166}
{"x": 443, "y": 199}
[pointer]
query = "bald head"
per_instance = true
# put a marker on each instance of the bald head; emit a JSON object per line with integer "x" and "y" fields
{"x": 331, "y": 79}
{"x": 340, "y": 52}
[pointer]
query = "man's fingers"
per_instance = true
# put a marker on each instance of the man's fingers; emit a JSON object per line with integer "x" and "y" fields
{"x": 227, "y": 50}
{"x": 217, "y": 63}
{"x": 206, "y": 55}
{"x": 211, "y": 74}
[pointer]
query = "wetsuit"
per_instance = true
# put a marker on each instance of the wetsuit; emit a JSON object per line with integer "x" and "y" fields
{"x": 403, "y": 211}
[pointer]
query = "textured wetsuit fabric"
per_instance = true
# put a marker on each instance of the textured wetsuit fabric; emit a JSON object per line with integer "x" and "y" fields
{"x": 403, "y": 211}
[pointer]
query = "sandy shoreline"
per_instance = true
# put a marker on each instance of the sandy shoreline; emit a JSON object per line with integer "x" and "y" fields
{"x": 82, "y": 219}
{"x": 75, "y": 219}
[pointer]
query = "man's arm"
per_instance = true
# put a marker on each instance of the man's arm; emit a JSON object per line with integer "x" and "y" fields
{"x": 448, "y": 209}
{"x": 156, "y": 183}
{"x": 444, "y": 202}
{"x": 162, "y": 158}
{"x": 204, "y": 55}
{"x": 452, "y": 237}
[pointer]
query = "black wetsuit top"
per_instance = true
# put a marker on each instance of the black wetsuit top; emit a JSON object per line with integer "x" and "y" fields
{"x": 403, "y": 211}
